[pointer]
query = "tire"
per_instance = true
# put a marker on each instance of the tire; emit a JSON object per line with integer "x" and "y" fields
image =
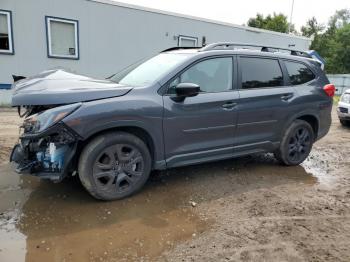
{"x": 344, "y": 122}
{"x": 296, "y": 143}
{"x": 114, "y": 165}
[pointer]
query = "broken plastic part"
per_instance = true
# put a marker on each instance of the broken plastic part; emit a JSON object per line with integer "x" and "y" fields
{"x": 53, "y": 158}
{"x": 47, "y": 154}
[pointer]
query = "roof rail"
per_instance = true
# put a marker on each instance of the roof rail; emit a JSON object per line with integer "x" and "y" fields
{"x": 179, "y": 48}
{"x": 263, "y": 48}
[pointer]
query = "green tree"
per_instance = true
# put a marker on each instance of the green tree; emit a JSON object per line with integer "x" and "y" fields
{"x": 312, "y": 28}
{"x": 340, "y": 19}
{"x": 338, "y": 58}
{"x": 276, "y": 22}
{"x": 333, "y": 44}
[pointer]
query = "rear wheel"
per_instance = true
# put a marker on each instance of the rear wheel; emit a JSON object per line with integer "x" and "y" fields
{"x": 114, "y": 165}
{"x": 296, "y": 143}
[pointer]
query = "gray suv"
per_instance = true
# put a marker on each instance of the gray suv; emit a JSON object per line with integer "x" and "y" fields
{"x": 181, "y": 107}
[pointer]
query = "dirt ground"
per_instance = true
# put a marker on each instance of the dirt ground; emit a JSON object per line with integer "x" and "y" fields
{"x": 245, "y": 209}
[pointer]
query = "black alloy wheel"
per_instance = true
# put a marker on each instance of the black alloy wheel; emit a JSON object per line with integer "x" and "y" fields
{"x": 299, "y": 144}
{"x": 114, "y": 165}
{"x": 118, "y": 167}
{"x": 296, "y": 143}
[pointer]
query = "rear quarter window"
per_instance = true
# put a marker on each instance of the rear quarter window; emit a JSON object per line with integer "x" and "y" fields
{"x": 298, "y": 73}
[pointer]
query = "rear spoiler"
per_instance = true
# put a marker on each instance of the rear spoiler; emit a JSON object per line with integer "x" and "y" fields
{"x": 317, "y": 57}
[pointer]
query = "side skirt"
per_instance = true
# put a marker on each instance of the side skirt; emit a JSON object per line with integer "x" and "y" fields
{"x": 218, "y": 154}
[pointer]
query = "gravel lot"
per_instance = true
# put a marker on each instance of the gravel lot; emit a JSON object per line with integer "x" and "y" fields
{"x": 245, "y": 209}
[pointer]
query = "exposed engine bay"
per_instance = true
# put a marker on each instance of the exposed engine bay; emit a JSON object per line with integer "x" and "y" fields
{"x": 47, "y": 145}
{"x": 25, "y": 111}
{"x": 46, "y": 153}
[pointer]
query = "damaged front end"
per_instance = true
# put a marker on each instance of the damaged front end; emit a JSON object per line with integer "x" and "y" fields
{"x": 47, "y": 146}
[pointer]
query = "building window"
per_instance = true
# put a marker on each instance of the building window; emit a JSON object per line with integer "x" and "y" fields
{"x": 6, "y": 38}
{"x": 187, "y": 41}
{"x": 62, "y": 38}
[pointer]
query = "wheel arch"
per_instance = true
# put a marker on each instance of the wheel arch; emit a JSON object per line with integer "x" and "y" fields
{"x": 307, "y": 116}
{"x": 313, "y": 121}
{"x": 138, "y": 131}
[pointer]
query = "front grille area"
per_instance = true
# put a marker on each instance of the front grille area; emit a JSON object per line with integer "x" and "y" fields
{"x": 343, "y": 110}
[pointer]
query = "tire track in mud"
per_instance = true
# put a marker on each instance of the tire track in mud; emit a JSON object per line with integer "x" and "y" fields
{"x": 288, "y": 216}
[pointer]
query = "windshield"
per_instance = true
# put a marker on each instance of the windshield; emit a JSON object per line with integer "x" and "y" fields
{"x": 147, "y": 72}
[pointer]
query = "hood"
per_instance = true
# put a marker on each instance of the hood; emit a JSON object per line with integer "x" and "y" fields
{"x": 55, "y": 87}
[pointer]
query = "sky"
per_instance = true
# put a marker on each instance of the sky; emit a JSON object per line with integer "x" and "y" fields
{"x": 238, "y": 12}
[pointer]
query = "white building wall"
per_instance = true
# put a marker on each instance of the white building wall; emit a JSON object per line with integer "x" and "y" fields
{"x": 112, "y": 36}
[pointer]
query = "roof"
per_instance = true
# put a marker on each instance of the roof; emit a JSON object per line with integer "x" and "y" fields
{"x": 211, "y": 21}
{"x": 231, "y": 46}
{"x": 253, "y": 52}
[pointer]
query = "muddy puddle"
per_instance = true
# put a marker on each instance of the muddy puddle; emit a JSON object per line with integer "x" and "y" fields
{"x": 42, "y": 221}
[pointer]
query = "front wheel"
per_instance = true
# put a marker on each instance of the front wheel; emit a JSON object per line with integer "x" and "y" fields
{"x": 114, "y": 165}
{"x": 344, "y": 122}
{"x": 296, "y": 143}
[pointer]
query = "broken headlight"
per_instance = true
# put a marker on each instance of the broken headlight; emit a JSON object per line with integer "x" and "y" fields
{"x": 41, "y": 121}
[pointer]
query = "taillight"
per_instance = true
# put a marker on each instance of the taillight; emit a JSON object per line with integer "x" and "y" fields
{"x": 329, "y": 89}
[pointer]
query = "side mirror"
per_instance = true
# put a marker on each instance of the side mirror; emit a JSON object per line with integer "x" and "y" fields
{"x": 187, "y": 89}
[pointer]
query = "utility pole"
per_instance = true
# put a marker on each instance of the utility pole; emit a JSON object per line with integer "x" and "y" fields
{"x": 291, "y": 17}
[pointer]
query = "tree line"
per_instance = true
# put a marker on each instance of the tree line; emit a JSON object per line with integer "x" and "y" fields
{"x": 331, "y": 40}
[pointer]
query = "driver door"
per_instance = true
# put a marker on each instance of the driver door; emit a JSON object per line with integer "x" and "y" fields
{"x": 201, "y": 127}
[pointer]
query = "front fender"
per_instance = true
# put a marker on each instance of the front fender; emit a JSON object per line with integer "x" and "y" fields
{"x": 157, "y": 143}
{"x": 135, "y": 111}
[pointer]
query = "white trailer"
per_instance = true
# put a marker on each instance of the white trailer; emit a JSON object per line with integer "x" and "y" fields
{"x": 100, "y": 37}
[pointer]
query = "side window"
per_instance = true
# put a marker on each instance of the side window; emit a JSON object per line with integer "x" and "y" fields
{"x": 260, "y": 72}
{"x": 212, "y": 75}
{"x": 298, "y": 73}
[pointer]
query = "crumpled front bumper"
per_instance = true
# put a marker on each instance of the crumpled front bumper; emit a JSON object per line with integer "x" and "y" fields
{"x": 48, "y": 154}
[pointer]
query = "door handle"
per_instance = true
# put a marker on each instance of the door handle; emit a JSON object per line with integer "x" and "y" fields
{"x": 286, "y": 97}
{"x": 229, "y": 106}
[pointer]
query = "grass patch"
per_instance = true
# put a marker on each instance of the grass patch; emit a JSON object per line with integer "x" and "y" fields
{"x": 336, "y": 99}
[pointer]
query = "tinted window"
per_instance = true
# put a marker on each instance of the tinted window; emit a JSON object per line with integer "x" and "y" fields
{"x": 212, "y": 75}
{"x": 298, "y": 73}
{"x": 260, "y": 72}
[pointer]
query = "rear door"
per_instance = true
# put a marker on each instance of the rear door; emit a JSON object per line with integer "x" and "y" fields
{"x": 264, "y": 102}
